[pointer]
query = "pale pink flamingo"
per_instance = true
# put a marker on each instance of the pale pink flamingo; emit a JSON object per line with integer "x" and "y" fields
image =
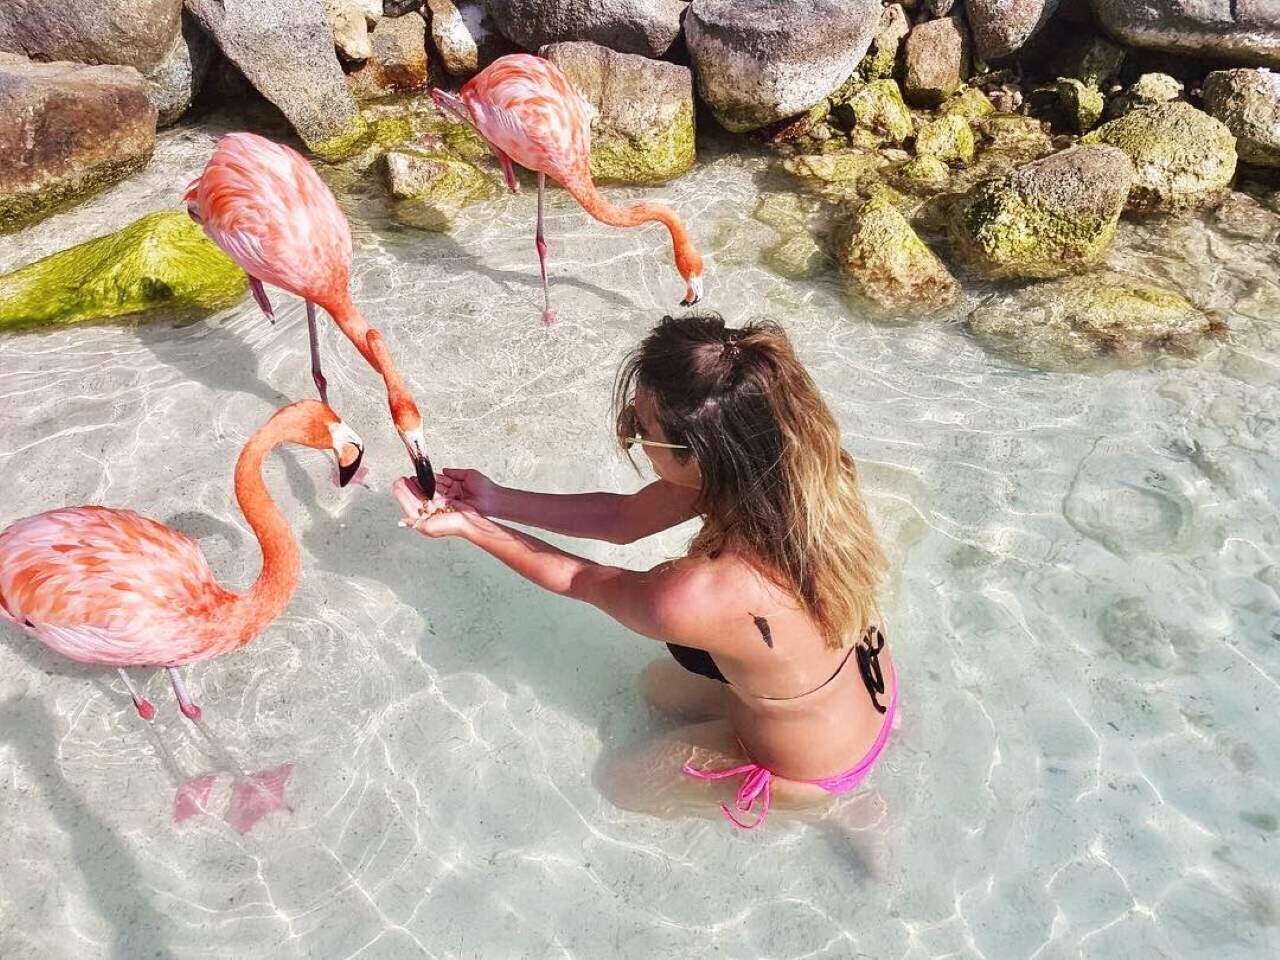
{"x": 265, "y": 206}
{"x": 532, "y": 114}
{"x": 105, "y": 586}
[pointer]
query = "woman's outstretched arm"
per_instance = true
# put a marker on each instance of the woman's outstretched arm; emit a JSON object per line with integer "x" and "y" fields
{"x": 613, "y": 517}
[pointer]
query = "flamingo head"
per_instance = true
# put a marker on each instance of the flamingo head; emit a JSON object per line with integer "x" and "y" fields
{"x": 689, "y": 263}
{"x": 451, "y": 103}
{"x": 346, "y": 446}
{"x": 416, "y": 444}
{"x": 314, "y": 424}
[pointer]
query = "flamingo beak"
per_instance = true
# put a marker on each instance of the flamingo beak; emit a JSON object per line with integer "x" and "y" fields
{"x": 694, "y": 293}
{"x": 422, "y": 470}
{"x": 349, "y": 450}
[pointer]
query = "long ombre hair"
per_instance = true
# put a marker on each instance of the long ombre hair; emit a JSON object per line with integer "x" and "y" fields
{"x": 777, "y": 488}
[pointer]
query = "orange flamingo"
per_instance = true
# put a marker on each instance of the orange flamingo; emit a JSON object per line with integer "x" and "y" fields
{"x": 531, "y": 114}
{"x": 264, "y": 205}
{"x": 106, "y": 586}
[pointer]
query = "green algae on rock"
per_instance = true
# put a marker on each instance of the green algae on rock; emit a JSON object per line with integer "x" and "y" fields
{"x": 431, "y": 189}
{"x": 1105, "y": 315}
{"x": 1046, "y": 218}
{"x": 837, "y": 175}
{"x": 1069, "y": 105}
{"x": 1184, "y": 159}
{"x": 161, "y": 263}
{"x": 923, "y": 173}
{"x": 797, "y": 257}
{"x": 889, "y": 266}
{"x": 656, "y": 157}
{"x": 948, "y": 138}
{"x": 876, "y": 106}
{"x": 968, "y": 102}
{"x": 1248, "y": 102}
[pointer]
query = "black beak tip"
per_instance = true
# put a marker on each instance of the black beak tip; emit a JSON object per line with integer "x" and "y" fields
{"x": 689, "y": 301}
{"x": 425, "y": 475}
{"x": 346, "y": 473}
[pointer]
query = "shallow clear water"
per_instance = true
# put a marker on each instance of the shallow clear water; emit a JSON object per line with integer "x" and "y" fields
{"x": 1085, "y": 614}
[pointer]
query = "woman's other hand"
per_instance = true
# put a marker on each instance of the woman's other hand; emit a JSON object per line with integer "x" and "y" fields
{"x": 469, "y": 487}
{"x": 439, "y": 517}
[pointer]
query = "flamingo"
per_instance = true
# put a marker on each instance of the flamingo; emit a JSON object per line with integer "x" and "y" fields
{"x": 531, "y": 113}
{"x": 264, "y": 205}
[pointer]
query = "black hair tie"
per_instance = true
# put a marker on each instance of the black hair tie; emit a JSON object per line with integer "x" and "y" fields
{"x": 730, "y": 350}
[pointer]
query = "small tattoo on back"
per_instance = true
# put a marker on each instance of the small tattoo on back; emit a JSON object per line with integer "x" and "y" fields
{"x": 763, "y": 626}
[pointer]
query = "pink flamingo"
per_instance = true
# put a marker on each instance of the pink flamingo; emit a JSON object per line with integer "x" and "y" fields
{"x": 531, "y": 114}
{"x": 106, "y": 586}
{"x": 264, "y": 205}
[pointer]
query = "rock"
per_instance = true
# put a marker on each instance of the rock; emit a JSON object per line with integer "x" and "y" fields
{"x": 133, "y": 33}
{"x": 1002, "y": 27}
{"x": 643, "y": 128}
{"x": 1244, "y": 31}
{"x": 646, "y": 27}
{"x": 1061, "y": 323}
{"x": 970, "y": 103}
{"x": 67, "y": 131}
{"x": 797, "y": 257}
{"x": 465, "y": 36}
{"x": 398, "y": 8}
{"x": 162, "y": 262}
{"x": 398, "y": 63}
{"x": 760, "y": 61}
{"x": 176, "y": 80}
{"x": 889, "y": 266}
{"x": 1069, "y": 105}
{"x": 949, "y": 138}
{"x": 350, "y": 30}
{"x": 923, "y": 174}
{"x": 431, "y": 189}
{"x": 1248, "y": 102}
{"x": 1047, "y": 218}
{"x": 285, "y": 49}
{"x": 875, "y": 106}
{"x": 1093, "y": 60}
{"x": 937, "y": 61}
{"x": 881, "y": 60}
{"x": 837, "y": 174}
{"x": 1184, "y": 158}
{"x": 1017, "y": 137}
{"x": 1147, "y": 89}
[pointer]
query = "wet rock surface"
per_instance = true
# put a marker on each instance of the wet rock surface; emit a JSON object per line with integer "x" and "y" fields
{"x": 643, "y": 128}
{"x": 761, "y": 61}
{"x": 1183, "y": 158}
{"x": 162, "y": 264}
{"x": 67, "y": 131}
{"x": 134, "y": 33}
{"x": 432, "y": 188}
{"x": 936, "y": 61}
{"x": 646, "y": 27}
{"x": 1247, "y": 31}
{"x": 1248, "y": 102}
{"x": 1047, "y": 218}
{"x": 398, "y": 61}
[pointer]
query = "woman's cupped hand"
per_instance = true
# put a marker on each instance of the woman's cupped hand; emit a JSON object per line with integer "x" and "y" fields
{"x": 444, "y": 515}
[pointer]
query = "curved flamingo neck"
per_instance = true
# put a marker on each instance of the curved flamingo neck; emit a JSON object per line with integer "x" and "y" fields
{"x": 281, "y": 563}
{"x": 585, "y": 192}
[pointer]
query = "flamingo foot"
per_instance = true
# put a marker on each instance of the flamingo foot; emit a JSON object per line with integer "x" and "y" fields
{"x": 190, "y": 711}
{"x": 548, "y": 317}
{"x": 193, "y": 797}
{"x": 260, "y": 295}
{"x": 255, "y": 796}
{"x": 146, "y": 710}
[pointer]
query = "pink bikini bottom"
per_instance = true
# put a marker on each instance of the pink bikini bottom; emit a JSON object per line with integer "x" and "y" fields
{"x": 758, "y": 778}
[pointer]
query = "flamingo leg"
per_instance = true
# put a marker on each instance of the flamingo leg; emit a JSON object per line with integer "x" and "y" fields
{"x": 321, "y": 384}
{"x": 541, "y": 243}
{"x": 260, "y": 295}
{"x": 508, "y": 170}
{"x": 189, "y": 709}
{"x": 140, "y": 703}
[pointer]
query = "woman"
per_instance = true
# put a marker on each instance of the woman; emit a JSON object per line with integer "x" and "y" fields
{"x": 770, "y": 617}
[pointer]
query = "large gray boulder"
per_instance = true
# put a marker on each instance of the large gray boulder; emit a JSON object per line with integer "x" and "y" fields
{"x": 465, "y": 36}
{"x": 66, "y": 131}
{"x": 1245, "y": 31}
{"x": 174, "y": 82}
{"x": 1002, "y": 27}
{"x": 936, "y": 61}
{"x": 285, "y": 49}
{"x": 136, "y": 33}
{"x": 1248, "y": 102}
{"x": 646, "y": 27}
{"x": 643, "y": 128}
{"x": 760, "y": 61}
{"x": 1045, "y": 219}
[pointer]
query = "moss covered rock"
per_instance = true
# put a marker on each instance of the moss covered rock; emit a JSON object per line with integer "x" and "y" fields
{"x": 1069, "y": 104}
{"x": 882, "y": 59}
{"x": 889, "y": 267}
{"x": 876, "y": 106}
{"x": 1148, "y": 89}
{"x": 1046, "y": 218}
{"x": 797, "y": 257}
{"x": 161, "y": 263}
{"x": 949, "y": 138}
{"x": 970, "y": 103}
{"x": 922, "y": 174}
{"x": 1063, "y": 323}
{"x": 843, "y": 174}
{"x": 431, "y": 189}
{"x": 643, "y": 131}
{"x": 1184, "y": 158}
{"x": 1248, "y": 102}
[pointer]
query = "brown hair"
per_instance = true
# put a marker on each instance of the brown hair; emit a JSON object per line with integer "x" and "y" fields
{"x": 777, "y": 488}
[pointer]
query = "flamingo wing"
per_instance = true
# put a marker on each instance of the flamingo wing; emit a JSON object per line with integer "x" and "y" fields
{"x": 265, "y": 206}
{"x": 108, "y": 586}
{"x": 532, "y": 112}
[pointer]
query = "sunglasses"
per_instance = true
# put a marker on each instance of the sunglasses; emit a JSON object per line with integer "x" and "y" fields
{"x": 633, "y": 427}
